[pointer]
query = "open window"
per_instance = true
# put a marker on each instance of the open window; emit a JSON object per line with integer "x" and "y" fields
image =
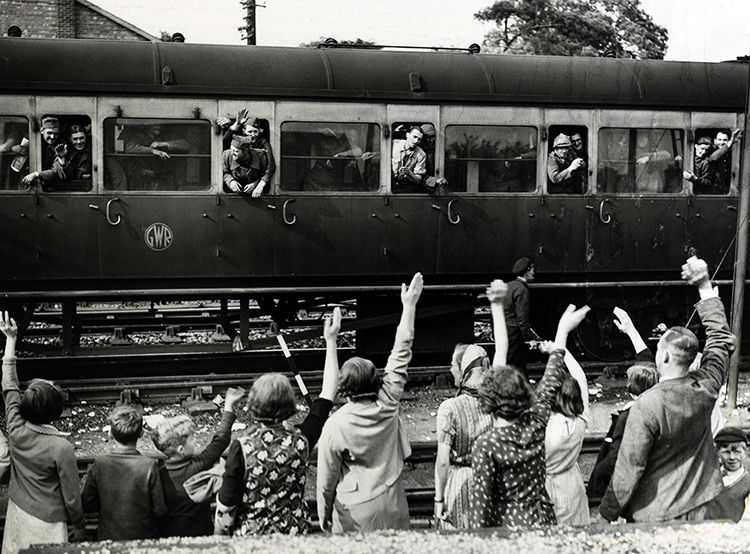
{"x": 413, "y": 157}
{"x": 484, "y": 158}
{"x": 640, "y": 160}
{"x": 14, "y": 151}
{"x": 157, "y": 154}
{"x": 66, "y": 153}
{"x": 327, "y": 156}
{"x": 568, "y": 159}
{"x": 712, "y": 161}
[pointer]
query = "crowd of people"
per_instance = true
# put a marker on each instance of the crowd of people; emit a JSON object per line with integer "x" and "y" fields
{"x": 507, "y": 451}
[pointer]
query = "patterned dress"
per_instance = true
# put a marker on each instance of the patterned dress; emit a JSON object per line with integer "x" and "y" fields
{"x": 275, "y": 459}
{"x": 459, "y": 422}
{"x": 509, "y": 467}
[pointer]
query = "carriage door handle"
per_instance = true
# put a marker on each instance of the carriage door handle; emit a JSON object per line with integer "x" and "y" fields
{"x": 457, "y": 220}
{"x": 284, "y": 213}
{"x": 601, "y": 213}
{"x": 109, "y": 213}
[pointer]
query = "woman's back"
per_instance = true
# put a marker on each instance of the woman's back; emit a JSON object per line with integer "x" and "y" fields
{"x": 563, "y": 442}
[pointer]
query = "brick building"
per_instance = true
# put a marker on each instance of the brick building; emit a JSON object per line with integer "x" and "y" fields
{"x": 66, "y": 19}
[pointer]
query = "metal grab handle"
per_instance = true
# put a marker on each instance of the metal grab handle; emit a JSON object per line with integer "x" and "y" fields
{"x": 108, "y": 213}
{"x": 601, "y": 213}
{"x": 284, "y": 216}
{"x": 450, "y": 213}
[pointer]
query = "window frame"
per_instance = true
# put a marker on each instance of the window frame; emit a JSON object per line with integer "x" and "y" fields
{"x": 536, "y": 129}
{"x": 31, "y": 155}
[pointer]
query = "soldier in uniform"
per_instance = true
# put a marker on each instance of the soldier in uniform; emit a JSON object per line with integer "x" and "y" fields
{"x": 517, "y": 312}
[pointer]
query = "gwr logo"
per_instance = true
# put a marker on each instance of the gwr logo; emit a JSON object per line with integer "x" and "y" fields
{"x": 158, "y": 236}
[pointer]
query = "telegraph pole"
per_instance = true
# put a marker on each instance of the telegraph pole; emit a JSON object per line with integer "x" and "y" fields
{"x": 740, "y": 259}
{"x": 249, "y": 28}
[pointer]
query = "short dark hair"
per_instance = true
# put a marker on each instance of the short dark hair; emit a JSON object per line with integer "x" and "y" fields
{"x": 682, "y": 344}
{"x": 569, "y": 401}
{"x": 358, "y": 378}
{"x": 723, "y": 132}
{"x": 42, "y": 402}
{"x": 272, "y": 398}
{"x": 641, "y": 377}
{"x": 125, "y": 423}
{"x": 505, "y": 392}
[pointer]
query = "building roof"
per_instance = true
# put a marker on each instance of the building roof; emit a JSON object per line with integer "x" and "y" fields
{"x": 114, "y": 18}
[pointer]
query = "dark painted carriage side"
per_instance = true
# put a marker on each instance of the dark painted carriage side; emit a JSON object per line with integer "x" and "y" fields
{"x": 68, "y": 240}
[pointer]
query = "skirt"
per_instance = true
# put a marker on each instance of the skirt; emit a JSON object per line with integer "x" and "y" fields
{"x": 456, "y": 498}
{"x": 23, "y": 530}
{"x": 568, "y": 493}
{"x": 388, "y": 510}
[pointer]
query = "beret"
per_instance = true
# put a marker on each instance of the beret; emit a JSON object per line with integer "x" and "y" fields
{"x": 729, "y": 435}
{"x": 521, "y": 265}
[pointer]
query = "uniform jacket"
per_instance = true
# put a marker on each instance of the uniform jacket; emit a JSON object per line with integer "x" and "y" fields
{"x": 517, "y": 309}
{"x": 667, "y": 463}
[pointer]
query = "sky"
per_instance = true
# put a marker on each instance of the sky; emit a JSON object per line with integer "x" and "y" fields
{"x": 699, "y": 30}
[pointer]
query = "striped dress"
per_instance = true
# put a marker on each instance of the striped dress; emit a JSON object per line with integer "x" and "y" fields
{"x": 459, "y": 422}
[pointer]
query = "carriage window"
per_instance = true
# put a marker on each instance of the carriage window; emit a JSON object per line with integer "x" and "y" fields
{"x": 712, "y": 161}
{"x": 490, "y": 159}
{"x": 567, "y": 161}
{"x": 157, "y": 154}
{"x": 330, "y": 156}
{"x": 640, "y": 160}
{"x": 14, "y": 151}
{"x": 66, "y": 153}
{"x": 413, "y": 158}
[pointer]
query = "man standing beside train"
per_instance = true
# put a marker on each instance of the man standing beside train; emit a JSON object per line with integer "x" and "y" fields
{"x": 517, "y": 313}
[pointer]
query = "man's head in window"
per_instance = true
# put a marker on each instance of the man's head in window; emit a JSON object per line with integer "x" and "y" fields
{"x": 413, "y": 137}
{"x": 240, "y": 148}
{"x": 561, "y": 146}
{"x": 78, "y": 137}
{"x": 428, "y": 131}
{"x": 702, "y": 146}
{"x": 154, "y": 131}
{"x": 722, "y": 139}
{"x": 577, "y": 140}
{"x": 50, "y": 130}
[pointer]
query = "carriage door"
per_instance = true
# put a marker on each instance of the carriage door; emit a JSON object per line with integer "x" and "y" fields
{"x": 19, "y": 219}
{"x": 713, "y": 211}
{"x": 488, "y": 213}
{"x": 637, "y": 216}
{"x": 567, "y": 192}
{"x": 412, "y": 213}
{"x": 330, "y": 214}
{"x": 159, "y": 209}
{"x": 68, "y": 219}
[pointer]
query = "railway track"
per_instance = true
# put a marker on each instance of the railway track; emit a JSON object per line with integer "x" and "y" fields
{"x": 164, "y": 378}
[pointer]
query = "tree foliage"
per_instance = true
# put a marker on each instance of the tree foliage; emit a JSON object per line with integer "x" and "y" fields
{"x": 322, "y": 40}
{"x": 618, "y": 28}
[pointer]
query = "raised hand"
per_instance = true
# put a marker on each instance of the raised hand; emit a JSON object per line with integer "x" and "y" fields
{"x": 233, "y": 396}
{"x": 695, "y": 271}
{"x": 497, "y": 291}
{"x": 571, "y": 318}
{"x": 223, "y": 121}
{"x": 410, "y": 295}
{"x": 8, "y": 326}
{"x": 332, "y": 325}
{"x": 623, "y": 321}
{"x": 242, "y": 116}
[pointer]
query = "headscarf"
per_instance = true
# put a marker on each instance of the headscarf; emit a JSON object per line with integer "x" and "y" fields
{"x": 473, "y": 357}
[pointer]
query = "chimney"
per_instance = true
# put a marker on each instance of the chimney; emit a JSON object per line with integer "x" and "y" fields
{"x": 66, "y": 19}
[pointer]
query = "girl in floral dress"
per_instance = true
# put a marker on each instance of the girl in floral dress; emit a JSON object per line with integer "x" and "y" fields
{"x": 263, "y": 489}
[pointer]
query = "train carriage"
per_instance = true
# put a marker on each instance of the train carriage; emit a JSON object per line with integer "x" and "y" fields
{"x": 171, "y": 225}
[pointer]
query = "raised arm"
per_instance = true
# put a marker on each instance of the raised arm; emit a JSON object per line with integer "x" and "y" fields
{"x": 719, "y": 339}
{"x": 554, "y": 372}
{"x": 313, "y": 424}
{"x": 211, "y": 454}
{"x": 625, "y": 325}
{"x": 394, "y": 379}
{"x": 496, "y": 293}
{"x": 11, "y": 388}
